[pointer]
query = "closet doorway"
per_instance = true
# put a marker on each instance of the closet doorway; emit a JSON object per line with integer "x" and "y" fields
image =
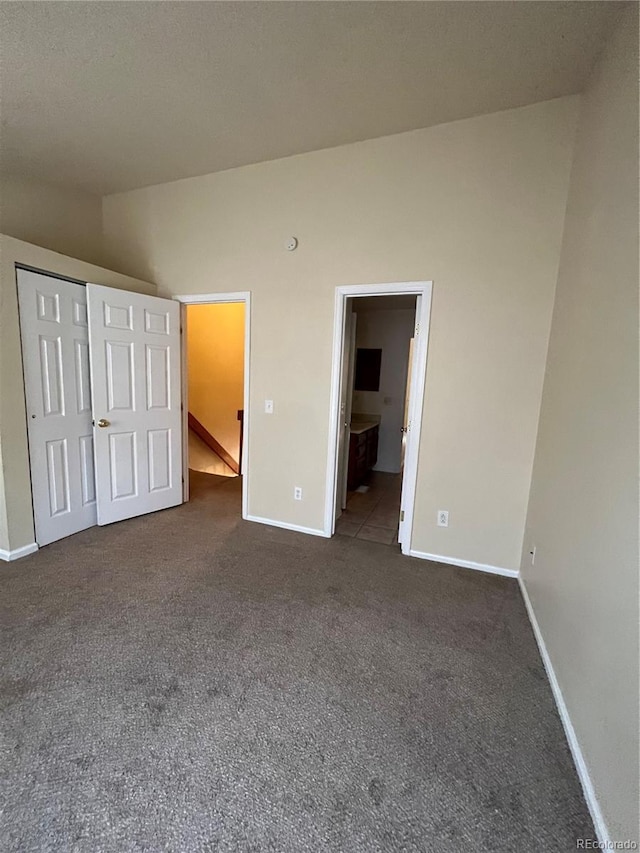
{"x": 215, "y": 390}
{"x": 102, "y": 391}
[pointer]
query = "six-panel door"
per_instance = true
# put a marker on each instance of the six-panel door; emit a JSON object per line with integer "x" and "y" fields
{"x": 134, "y": 345}
{"x": 55, "y": 348}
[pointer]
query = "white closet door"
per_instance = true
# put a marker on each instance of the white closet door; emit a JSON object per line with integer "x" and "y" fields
{"x": 134, "y": 343}
{"x": 55, "y": 352}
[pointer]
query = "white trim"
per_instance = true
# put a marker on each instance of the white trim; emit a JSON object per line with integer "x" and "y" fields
{"x": 331, "y": 484}
{"x": 313, "y": 531}
{"x": 184, "y": 403}
{"x": 203, "y": 299}
{"x": 466, "y": 564}
{"x": 415, "y": 409}
{"x": 18, "y": 552}
{"x": 578, "y": 758}
{"x": 419, "y": 288}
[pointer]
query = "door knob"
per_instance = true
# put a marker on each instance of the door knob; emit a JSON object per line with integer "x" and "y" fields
{"x": 103, "y": 422}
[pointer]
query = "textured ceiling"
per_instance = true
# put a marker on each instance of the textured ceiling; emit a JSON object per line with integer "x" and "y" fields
{"x": 116, "y": 95}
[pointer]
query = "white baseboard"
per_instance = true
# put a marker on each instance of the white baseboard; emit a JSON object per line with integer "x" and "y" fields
{"x": 297, "y": 528}
{"x": 465, "y": 564}
{"x": 578, "y": 758}
{"x": 18, "y": 552}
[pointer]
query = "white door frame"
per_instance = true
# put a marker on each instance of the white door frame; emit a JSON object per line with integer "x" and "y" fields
{"x": 410, "y": 288}
{"x": 205, "y": 299}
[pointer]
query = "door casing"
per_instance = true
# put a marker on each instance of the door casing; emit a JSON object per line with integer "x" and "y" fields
{"x": 416, "y": 395}
{"x": 205, "y": 299}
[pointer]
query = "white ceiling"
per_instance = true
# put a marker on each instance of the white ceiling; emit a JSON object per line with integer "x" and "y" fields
{"x": 111, "y": 96}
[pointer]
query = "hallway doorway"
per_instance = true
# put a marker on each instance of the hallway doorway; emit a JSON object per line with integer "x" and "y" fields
{"x": 215, "y": 392}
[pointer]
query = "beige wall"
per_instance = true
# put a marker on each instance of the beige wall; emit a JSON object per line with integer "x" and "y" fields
{"x": 63, "y": 219}
{"x": 475, "y": 205}
{"x": 16, "y": 530}
{"x": 215, "y": 353}
{"x": 583, "y": 512}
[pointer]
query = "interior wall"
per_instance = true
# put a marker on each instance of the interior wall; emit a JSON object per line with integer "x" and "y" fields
{"x": 215, "y": 352}
{"x": 15, "y": 483}
{"x": 583, "y": 512}
{"x": 475, "y": 205}
{"x": 63, "y": 219}
{"x": 390, "y": 331}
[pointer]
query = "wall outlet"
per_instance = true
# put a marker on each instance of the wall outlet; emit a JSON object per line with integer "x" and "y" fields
{"x": 297, "y": 493}
{"x": 443, "y": 518}
{"x": 268, "y": 407}
{"x": 532, "y": 554}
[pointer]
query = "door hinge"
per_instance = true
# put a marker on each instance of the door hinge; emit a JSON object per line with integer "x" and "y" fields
{"x": 402, "y": 515}
{"x": 417, "y": 332}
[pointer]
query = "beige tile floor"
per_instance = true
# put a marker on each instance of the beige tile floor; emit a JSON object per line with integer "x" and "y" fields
{"x": 373, "y": 515}
{"x": 202, "y": 458}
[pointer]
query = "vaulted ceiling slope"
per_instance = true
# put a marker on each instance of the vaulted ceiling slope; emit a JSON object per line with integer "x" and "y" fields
{"x": 111, "y": 96}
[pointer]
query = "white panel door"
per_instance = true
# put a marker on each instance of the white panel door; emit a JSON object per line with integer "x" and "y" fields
{"x": 412, "y": 438}
{"x": 346, "y": 398}
{"x": 55, "y": 354}
{"x": 134, "y": 343}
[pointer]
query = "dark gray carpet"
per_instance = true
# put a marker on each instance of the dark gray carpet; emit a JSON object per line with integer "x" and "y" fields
{"x": 187, "y": 682}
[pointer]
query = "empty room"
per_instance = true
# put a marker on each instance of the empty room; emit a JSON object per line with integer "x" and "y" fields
{"x": 319, "y": 394}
